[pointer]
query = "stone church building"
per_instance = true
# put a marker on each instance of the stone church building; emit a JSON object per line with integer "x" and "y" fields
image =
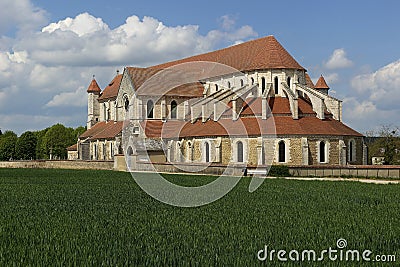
{"x": 273, "y": 113}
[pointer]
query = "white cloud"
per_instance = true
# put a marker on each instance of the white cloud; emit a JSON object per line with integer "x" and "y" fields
{"x": 338, "y": 60}
{"x": 18, "y": 56}
{"x": 44, "y": 68}
{"x": 86, "y": 41}
{"x": 77, "y": 98}
{"x": 227, "y": 22}
{"x": 376, "y": 98}
{"x": 81, "y": 25}
{"x": 332, "y": 78}
{"x": 382, "y": 86}
{"x": 21, "y": 15}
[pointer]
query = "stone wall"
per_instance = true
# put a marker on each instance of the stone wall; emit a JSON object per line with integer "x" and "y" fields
{"x": 59, "y": 164}
{"x": 368, "y": 171}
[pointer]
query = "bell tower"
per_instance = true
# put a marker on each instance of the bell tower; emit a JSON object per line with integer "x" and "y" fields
{"x": 93, "y": 105}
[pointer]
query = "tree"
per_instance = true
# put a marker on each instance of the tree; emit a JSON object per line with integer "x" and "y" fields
{"x": 7, "y": 145}
{"x": 385, "y": 143}
{"x": 389, "y": 139}
{"x": 78, "y": 131}
{"x": 25, "y": 147}
{"x": 57, "y": 139}
{"x": 41, "y": 152}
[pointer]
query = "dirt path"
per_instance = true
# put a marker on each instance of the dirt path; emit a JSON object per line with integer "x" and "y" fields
{"x": 361, "y": 180}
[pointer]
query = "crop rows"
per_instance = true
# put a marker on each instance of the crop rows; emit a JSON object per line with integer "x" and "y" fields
{"x": 64, "y": 217}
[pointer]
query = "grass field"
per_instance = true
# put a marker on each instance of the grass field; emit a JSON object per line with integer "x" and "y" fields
{"x": 65, "y": 217}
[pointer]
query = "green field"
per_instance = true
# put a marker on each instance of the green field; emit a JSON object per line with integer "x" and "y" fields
{"x": 65, "y": 217}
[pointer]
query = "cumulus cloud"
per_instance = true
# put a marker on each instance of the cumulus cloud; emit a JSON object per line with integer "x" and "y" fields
{"x": 21, "y": 15}
{"x": 45, "y": 67}
{"x": 77, "y": 98}
{"x": 381, "y": 86}
{"x": 81, "y": 25}
{"x": 375, "y": 99}
{"x": 338, "y": 60}
{"x": 86, "y": 40}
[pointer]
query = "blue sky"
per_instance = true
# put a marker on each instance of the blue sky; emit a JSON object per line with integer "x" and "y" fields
{"x": 47, "y": 60}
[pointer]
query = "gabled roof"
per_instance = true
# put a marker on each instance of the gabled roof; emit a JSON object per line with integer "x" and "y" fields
{"x": 103, "y": 130}
{"x": 111, "y": 91}
{"x": 94, "y": 87}
{"x": 321, "y": 83}
{"x": 262, "y": 53}
{"x": 140, "y": 75}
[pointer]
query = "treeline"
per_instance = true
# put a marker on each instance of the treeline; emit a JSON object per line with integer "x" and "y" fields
{"x": 51, "y": 142}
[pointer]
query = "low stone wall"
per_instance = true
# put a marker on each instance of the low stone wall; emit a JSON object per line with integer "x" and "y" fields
{"x": 59, "y": 164}
{"x": 368, "y": 171}
{"x": 213, "y": 168}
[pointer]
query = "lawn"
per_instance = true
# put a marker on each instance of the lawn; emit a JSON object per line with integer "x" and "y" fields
{"x": 84, "y": 217}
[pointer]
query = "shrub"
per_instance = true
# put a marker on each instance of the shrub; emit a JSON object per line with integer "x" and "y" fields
{"x": 279, "y": 171}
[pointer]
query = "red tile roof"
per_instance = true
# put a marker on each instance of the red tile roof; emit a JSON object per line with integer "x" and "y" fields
{"x": 111, "y": 91}
{"x": 321, "y": 83}
{"x": 309, "y": 82}
{"x": 141, "y": 75}
{"x": 94, "y": 87}
{"x": 74, "y": 147}
{"x": 103, "y": 130}
{"x": 249, "y": 126}
{"x": 262, "y": 53}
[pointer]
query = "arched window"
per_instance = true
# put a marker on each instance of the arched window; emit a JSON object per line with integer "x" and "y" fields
{"x": 241, "y": 83}
{"x": 229, "y": 84}
{"x": 150, "y": 107}
{"x": 252, "y": 81}
{"x": 108, "y": 114}
{"x": 276, "y": 85}
{"x": 105, "y": 111}
{"x": 288, "y": 81}
{"x": 174, "y": 108}
{"x": 129, "y": 151}
{"x": 239, "y": 151}
{"x": 282, "y": 151}
{"x": 104, "y": 151}
{"x": 95, "y": 151}
{"x": 207, "y": 152}
{"x": 216, "y": 88}
{"x": 322, "y": 151}
{"x": 262, "y": 84}
{"x": 351, "y": 150}
{"x": 126, "y": 103}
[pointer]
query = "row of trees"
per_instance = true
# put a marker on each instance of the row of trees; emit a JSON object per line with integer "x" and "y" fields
{"x": 50, "y": 142}
{"x": 386, "y": 143}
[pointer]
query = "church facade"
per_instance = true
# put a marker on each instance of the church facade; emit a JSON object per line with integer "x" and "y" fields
{"x": 270, "y": 113}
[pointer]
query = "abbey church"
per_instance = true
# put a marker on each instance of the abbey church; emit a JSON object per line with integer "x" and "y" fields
{"x": 269, "y": 112}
